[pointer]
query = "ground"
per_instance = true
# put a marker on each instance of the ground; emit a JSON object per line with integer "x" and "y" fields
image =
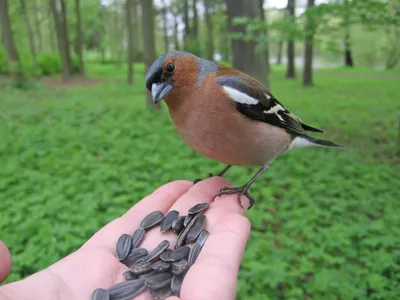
{"x": 325, "y": 224}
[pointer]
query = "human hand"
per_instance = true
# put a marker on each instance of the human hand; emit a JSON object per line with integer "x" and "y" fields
{"x": 94, "y": 265}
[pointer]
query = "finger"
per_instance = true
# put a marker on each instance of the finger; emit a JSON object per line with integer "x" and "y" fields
{"x": 6, "y": 262}
{"x": 214, "y": 275}
{"x": 161, "y": 199}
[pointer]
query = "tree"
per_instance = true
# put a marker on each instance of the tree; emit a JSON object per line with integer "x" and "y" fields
{"x": 31, "y": 38}
{"x": 308, "y": 46}
{"x": 79, "y": 37}
{"x": 60, "y": 21}
{"x": 348, "y": 57}
{"x": 186, "y": 35}
{"x": 8, "y": 39}
{"x": 210, "y": 29}
{"x": 265, "y": 51}
{"x": 38, "y": 29}
{"x": 148, "y": 42}
{"x": 129, "y": 25}
{"x": 165, "y": 24}
{"x": 290, "y": 72}
{"x": 245, "y": 56}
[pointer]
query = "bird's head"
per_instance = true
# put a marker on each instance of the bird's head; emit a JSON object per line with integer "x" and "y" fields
{"x": 174, "y": 70}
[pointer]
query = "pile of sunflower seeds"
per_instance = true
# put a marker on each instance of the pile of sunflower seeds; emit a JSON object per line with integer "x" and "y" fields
{"x": 162, "y": 270}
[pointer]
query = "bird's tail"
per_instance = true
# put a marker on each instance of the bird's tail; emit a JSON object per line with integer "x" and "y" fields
{"x": 308, "y": 141}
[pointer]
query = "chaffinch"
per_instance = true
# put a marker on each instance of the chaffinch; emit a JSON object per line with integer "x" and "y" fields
{"x": 226, "y": 115}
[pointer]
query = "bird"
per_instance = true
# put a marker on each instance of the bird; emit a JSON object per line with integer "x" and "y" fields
{"x": 226, "y": 115}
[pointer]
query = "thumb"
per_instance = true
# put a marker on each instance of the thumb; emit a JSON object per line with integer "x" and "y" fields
{"x": 5, "y": 262}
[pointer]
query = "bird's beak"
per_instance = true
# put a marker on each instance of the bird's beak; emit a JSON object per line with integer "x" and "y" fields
{"x": 160, "y": 90}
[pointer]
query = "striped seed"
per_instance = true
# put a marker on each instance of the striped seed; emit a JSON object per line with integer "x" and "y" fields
{"x": 100, "y": 294}
{"x": 160, "y": 266}
{"x": 166, "y": 255}
{"x": 203, "y": 236}
{"x": 198, "y": 208}
{"x": 196, "y": 229}
{"x": 141, "y": 268}
{"x": 157, "y": 251}
{"x": 188, "y": 218}
{"x": 127, "y": 289}
{"x": 159, "y": 281}
{"x": 128, "y": 275}
{"x": 180, "y": 253}
{"x": 160, "y": 294}
{"x": 137, "y": 237}
{"x": 193, "y": 254}
{"x": 152, "y": 219}
{"x": 170, "y": 217}
{"x": 176, "y": 284}
{"x": 177, "y": 225}
{"x": 148, "y": 275}
{"x": 179, "y": 267}
{"x": 183, "y": 234}
{"x": 124, "y": 245}
{"x": 134, "y": 256}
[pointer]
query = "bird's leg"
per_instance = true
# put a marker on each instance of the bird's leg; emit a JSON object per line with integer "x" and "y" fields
{"x": 220, "y": 174}
{"x": 243, "y": 190}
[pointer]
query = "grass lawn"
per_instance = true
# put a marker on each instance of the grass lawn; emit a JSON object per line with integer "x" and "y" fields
{"x": 326, "y": 224}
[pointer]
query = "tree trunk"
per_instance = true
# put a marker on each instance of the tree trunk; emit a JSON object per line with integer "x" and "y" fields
{"x": 348, "y": 57}
{"x": 165, "y": 25}
{"x": 176, "y": 39}
{"x": 291, "y": 73}
{"x": 79, "y": 37}
{"x": 186, "y": 34}
{"x": 195, "y": 20}
{"x": 8, "y": 39}
{"x": 245, "y": 57}
{"x": 148, "y": 42}
{"x": 308, "y": 47}
{"x": 210, "y": 30}
{"x": 31, "y": 38}
{"x": 37, "y": 27}
{"x": 62, "y": 37}
{"x": 264, "y": 55}
{"x": 129, "y": 25}
{"x": 279, "y": 54}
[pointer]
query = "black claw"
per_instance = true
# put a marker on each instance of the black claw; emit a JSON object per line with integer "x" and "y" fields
{"x": 210, "y": 175}
{"x": 197, "y": 181}
{"x": 240, "y": 190}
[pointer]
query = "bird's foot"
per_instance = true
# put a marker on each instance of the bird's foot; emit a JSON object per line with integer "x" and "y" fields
{"x": 198, "y": 179}
{"x": 241, "y": 190}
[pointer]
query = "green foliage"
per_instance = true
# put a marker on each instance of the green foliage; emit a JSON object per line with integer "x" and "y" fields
{"x": 325, "y": 225}
{"x": 3, "y": 62}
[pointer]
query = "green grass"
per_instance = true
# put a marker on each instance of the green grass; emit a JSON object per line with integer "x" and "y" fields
{"x": 326, "y": 223}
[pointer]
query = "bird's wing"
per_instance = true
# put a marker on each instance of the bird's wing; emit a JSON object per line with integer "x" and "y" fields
{"x": 255, "y": 102}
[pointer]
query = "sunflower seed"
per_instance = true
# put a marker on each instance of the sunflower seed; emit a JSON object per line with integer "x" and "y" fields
{"x": 127, "y": 289}
{"x": 148, "y": 275}
{"x": 176, "y": 284}
{"x": 137, "y": 237}
{"x": 178, "y": 267}
{"x": 170, "y": 217}
{"x": 196, "y": 229}
{"x": 183, "y": 234}
{"x": 160, "y": 266}
{"x": 180, "y": 253}
{"x": 100, "y": 294}
{"x": 193, "y": 254}
{"x": 128, "y": 275}
{"x": 160, "y": 294}
{"x": 124, "y": 245}
{"x": 203, "y": 236}
{"x": 158, "y": 281}
{"x": 141, "y": 268}
{"x": 166, "y": 255}
{"x": 200, "y": 207}
{"x": 188, "y": 218}
{"x": 134, "y": 256}
{"x": 157, "y": 251}
{"x": 177, "y": 225}
{"x": 152, "y": 219}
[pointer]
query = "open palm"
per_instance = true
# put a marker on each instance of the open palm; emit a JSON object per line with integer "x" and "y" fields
{"x": 94, "y": 265}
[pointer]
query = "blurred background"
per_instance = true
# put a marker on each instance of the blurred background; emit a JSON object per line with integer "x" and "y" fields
{"x": 81, "y": 141}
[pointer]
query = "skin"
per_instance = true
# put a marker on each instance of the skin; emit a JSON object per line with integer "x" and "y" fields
{"x": 94, "y": 265}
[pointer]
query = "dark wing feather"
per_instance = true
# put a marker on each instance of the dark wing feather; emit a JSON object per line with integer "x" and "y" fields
{"x": 267, "y": 109}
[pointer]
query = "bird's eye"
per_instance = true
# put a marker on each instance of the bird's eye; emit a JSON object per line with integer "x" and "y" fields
{"x": 170, "y": 67}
